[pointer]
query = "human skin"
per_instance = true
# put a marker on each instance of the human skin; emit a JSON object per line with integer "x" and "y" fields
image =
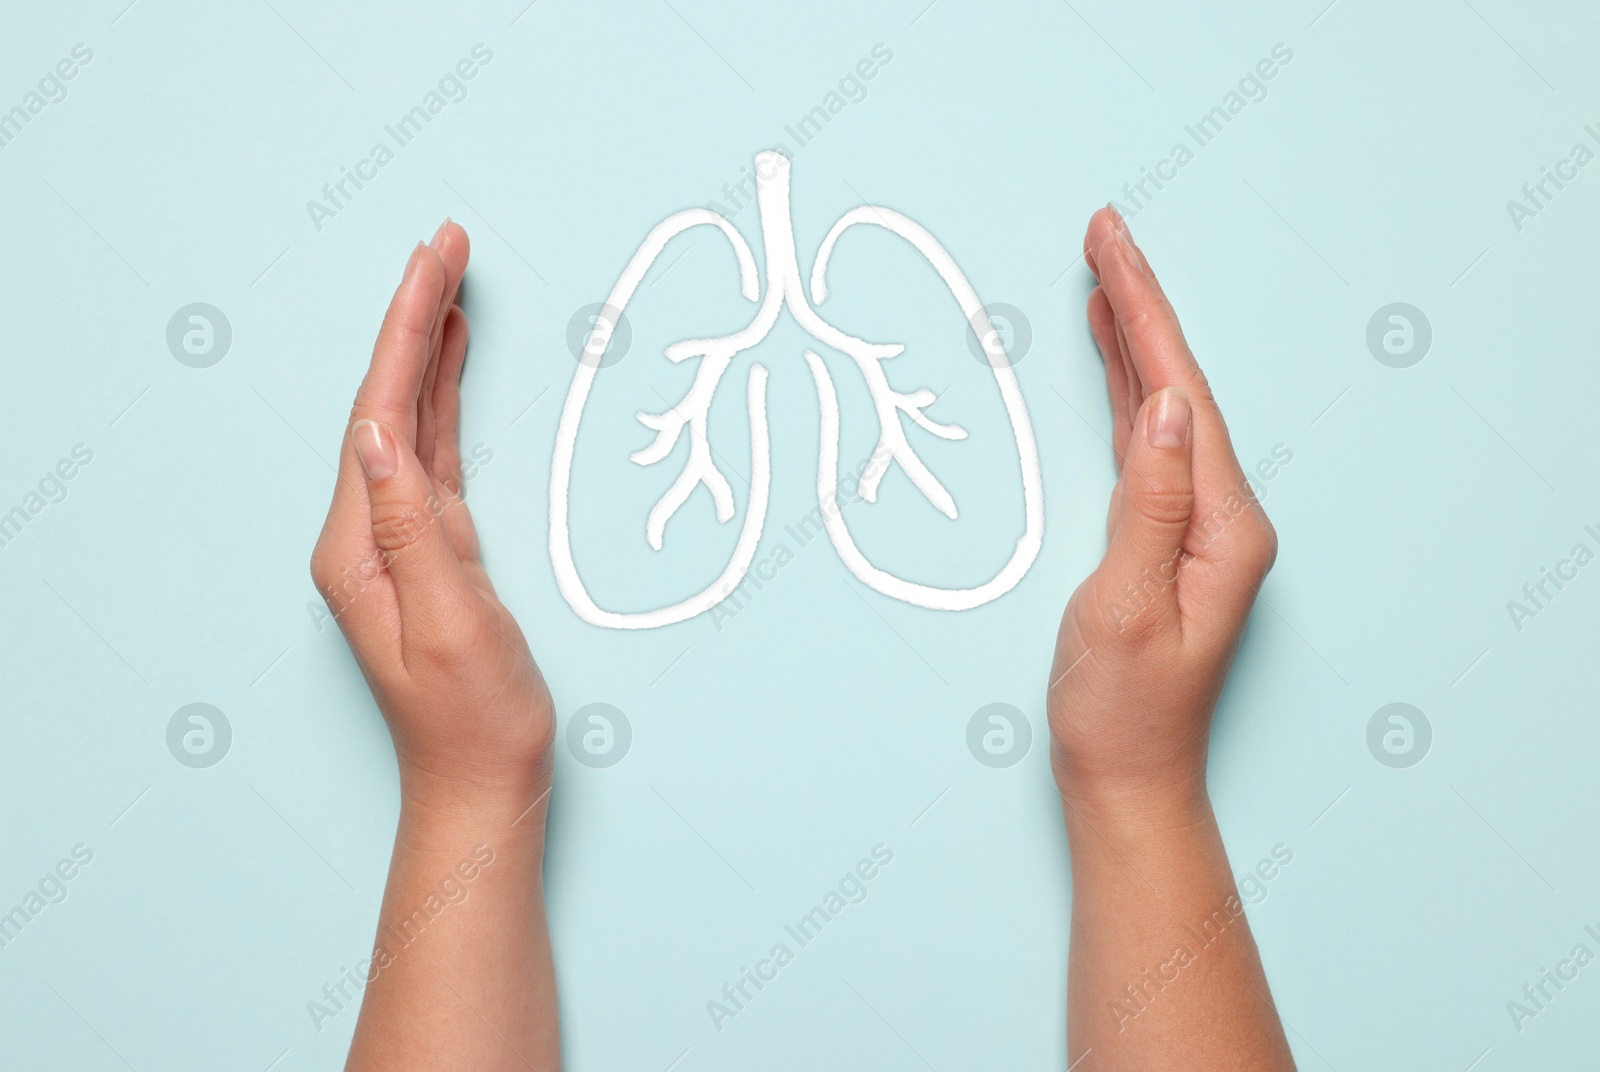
{"x": 1143, "y": 650}
{"x": 461, "y": 975}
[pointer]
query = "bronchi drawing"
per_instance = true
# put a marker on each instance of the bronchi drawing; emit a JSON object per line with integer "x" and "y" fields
{"x": 785, "y": 291}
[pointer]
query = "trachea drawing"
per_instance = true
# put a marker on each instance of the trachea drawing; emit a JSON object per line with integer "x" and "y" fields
{"x": 784, "y": 290}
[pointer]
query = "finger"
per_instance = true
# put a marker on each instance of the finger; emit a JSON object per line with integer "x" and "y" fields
{"x": 450, "y": 242}
{"x": 446, "y": 469}
{"x": 428, "y": 582}
{"x": 446, "y": 403}
{"x": 1156, "y": 347}
{"x": 345, "y": 559}
{"x": 1158, "y": 499}
{"x": 1100, "y": 227}
{"x": 1136, "y": 387}
{"x": 1103, "y": 324}
{"x": 1113, "y": 511}
{"x": 389, "y": 391}
{"x": 400, "y": 356}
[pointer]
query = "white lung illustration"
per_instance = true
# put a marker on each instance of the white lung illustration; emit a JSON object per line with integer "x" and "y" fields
{"x": 785, "y": 290}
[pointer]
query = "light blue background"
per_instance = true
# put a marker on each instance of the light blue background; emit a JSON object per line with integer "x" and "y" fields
{"x": 771, "y": 754}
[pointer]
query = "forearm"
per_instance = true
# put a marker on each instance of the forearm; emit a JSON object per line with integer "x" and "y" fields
{"x": 1163, "y": 970}
{"x": 461, "y": 975}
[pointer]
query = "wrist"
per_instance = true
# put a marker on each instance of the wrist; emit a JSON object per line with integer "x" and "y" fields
{"x": 447, "y": 801}
{"x": 1146, "y": 837}
{"x": 1128, "y": 807}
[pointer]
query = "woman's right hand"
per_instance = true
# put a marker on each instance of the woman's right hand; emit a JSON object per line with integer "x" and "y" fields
{"x": 1163, "y": 971}
{"x": 1147, "y": 639}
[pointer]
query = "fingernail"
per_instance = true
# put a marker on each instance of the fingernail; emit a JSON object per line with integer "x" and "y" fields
{"x": 375, "y": 448}
{"x": 1169, "y": 420}
{"x": 1125, "y": 243}
{"x": 1116, "y": 218}
{"x": 438, "y": 236}
{"x": 411, "y": 263}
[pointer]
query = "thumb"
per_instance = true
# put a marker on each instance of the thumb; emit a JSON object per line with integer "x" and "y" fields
{"x": 407, "y": 527}
{"x": 1157, "y": 496}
